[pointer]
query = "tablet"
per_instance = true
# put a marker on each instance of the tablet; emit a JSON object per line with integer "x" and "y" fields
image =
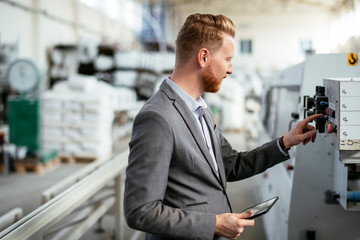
{"x": 261, "y": 208}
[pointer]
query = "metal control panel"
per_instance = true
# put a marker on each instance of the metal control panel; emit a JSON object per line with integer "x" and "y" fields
{"x": 339, "y": 102}
{"x": 343, "y": 113}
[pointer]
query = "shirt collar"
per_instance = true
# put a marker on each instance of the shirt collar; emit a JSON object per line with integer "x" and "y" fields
{"x": 194, "y": 105}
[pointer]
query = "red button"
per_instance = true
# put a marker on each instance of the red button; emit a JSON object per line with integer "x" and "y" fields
{"x": 330, "y": 128}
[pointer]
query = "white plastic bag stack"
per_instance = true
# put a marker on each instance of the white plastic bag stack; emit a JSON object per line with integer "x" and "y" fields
{"x": 77, "y": 117}
{"x": 152, "y": 61}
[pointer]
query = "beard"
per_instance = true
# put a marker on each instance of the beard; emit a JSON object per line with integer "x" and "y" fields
{"x": 210, "y": 82}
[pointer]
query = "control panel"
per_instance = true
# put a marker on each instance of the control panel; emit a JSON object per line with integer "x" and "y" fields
{"x": 339, "y": 102}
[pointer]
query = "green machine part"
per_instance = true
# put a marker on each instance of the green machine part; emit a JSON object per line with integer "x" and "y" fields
{"x": 24, "y": 123}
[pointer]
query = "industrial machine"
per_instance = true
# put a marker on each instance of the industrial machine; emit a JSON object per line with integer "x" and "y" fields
{"x": 8, "y": 53}
{"x": 24, "y": 114}
{"x": 24, "y": 108}
{"x": 319, "y": 186}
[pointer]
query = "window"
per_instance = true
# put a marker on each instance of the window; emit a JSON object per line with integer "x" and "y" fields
{"x": 306, "y": 46}
{"x": 246, "y": 46}
{"x": 127, "y": 12}
{"x": 153, "y": 22}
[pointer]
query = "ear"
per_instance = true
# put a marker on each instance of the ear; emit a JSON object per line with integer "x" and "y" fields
{"x": 203, "y": 57}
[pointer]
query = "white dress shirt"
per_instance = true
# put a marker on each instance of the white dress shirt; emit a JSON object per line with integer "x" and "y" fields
{"x": 196, "y": 106}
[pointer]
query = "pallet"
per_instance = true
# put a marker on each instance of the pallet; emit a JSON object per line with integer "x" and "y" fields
{"x": 2, "y": 167}
{"x": 34, "y": 165}
{"x": 72, "y": 159}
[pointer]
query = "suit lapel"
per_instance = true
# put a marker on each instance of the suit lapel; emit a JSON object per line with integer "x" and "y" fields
{"x": 191, "y": 123}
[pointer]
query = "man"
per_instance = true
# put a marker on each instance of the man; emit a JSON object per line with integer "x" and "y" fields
{"x": 179, "y": 162}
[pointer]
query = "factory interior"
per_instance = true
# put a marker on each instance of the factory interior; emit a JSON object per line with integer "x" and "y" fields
{"x": 88, "y": 67}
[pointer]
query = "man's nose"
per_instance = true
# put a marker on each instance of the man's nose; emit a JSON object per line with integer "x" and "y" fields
{"x": 229, "y": 69}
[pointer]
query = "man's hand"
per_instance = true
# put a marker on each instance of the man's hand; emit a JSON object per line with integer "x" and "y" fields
{"x": 231, "y": 225}
{"x": 301, "y": 132}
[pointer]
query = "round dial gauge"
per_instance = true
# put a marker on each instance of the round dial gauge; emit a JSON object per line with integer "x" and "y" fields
{"x": 23, "y": 75}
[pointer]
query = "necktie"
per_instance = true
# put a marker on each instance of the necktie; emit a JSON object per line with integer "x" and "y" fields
{"x": 201, "y": 119}
{"x": 207, "y": 139}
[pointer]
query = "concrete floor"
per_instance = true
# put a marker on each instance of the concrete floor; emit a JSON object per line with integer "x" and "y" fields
{"x": 24, "y": 191}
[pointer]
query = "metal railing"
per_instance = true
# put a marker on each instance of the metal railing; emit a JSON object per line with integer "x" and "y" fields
{"x": 10, "y": 218}
{"x": 41, "y": 222}
{"x": 59, "y": 187}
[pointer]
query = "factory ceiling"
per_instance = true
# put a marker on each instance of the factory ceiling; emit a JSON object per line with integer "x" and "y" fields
{"x": 257, "y": 6}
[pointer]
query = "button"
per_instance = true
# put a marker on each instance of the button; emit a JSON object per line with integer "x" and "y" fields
{"x": 330, "y": 128}
{"x": 330, "y": 112}
{"x": 324, "y": 104}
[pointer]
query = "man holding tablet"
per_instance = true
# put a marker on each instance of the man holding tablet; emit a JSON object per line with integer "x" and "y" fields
{"x": 179, "y": 161}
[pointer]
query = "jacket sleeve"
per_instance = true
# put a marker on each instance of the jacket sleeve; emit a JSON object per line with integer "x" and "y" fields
{"x": 151, "y": 149}
{"x": 241, "y": 165}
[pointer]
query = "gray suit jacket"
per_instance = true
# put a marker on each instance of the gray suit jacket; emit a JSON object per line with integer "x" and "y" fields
{"x": 172, "y": 190}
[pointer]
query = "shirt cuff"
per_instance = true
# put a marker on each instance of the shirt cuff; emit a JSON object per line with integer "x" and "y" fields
{"x": 285, "y": 153}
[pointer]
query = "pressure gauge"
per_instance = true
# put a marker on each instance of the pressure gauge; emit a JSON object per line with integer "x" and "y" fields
{"x": 23, "y": 76}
